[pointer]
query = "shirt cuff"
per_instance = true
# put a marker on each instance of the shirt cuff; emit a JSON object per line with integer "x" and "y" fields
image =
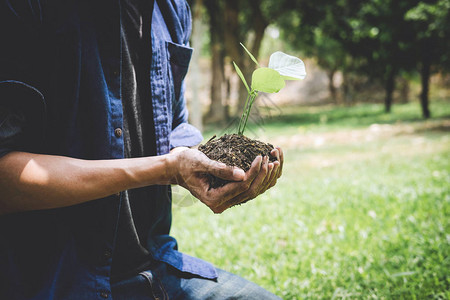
{"x": 164, "y": 249}
{"x": 185, "y": 135}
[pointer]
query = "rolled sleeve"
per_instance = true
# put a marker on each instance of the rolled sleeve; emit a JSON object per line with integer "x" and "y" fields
{"x": 11, "y": 126}
{"x": 185, "y": 135}
{"x": 24, "y": 113}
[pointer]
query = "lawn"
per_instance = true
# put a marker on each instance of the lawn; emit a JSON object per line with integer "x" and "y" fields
{"x": 362, "y": 210}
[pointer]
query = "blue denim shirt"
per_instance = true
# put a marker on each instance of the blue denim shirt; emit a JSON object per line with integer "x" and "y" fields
{"x": 60, "y": 65}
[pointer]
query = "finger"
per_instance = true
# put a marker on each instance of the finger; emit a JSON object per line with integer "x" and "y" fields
{"x": 280, "y": 151}
{"x": 223, "y": 171}
{"x": 275, "y": 174}
{"x": 254, "y": 169}
{"x": 275, "y": 153}
{"x": 222, "y": 198}
{"x": 268, "y": 179}
{"x": 224, "y": 206}
{"x": 256, "y": 185}
{"x": 231, "y": 190}
{"x": 220, "y": 195}
{"x": 265, "y": 179}
{"x": 254, "y": 190}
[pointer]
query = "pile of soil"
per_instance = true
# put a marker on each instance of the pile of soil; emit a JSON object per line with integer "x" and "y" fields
{"x": 234, "y": 150}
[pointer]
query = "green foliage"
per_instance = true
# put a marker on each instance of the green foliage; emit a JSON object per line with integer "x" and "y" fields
{"x": 364, "y": 218}
{"x": 430, "y": 23}
{"x": 433, "y": 16}
{"x": 378, "y": 39}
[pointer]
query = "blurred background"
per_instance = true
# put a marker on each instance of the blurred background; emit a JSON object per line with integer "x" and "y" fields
{"x": 363, "y": 207}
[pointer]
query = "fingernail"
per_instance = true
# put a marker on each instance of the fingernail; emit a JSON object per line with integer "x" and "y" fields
{"x": 238, "y": 173}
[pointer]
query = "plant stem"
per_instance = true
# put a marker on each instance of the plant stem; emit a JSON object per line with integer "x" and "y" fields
{"x": 248, "y": 105}
{"x": 241, "y": 121}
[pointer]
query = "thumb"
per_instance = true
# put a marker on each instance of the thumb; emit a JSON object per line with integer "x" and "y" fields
{"x": 223, "y": 171}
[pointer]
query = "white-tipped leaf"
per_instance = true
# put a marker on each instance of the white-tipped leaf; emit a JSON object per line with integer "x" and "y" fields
{"x": 289, "y": 67}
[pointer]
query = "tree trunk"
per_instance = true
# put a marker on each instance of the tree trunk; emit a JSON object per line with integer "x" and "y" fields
{"x": 216, "y": 110}
{"x": 227, "y": 98}
{"x": 347, "y": 88}
{"x": 404, "y": 90}
{"x": 231, "y": 30}
{"x": 331, "y": 87}
{"x": 195, "y": 75}
{"x": 390, "y": 86}
{"x": 425, "y": 79}
{"x": 233, "y": 36}
{"x": 233, "y": 50}
{"x": 259, "y": 26}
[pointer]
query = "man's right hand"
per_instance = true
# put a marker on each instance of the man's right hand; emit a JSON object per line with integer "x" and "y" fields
{"x": 190, "y": 168}
{"x": 33, "y": 181}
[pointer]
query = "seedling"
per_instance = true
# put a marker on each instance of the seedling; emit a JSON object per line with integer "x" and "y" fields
{"x": 269, "y": 79}
{"x": 237, "y": 149}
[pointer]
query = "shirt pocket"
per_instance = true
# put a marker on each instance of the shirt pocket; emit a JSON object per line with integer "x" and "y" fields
{"x": 179, "y": 57}
{"x": 23, "y": 128}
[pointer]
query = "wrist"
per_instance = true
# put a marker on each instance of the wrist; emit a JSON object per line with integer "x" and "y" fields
{"x": 171, "y": 167}
{"x": 179, "y": 149}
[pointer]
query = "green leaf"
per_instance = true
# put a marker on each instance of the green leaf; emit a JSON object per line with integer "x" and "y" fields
{"x": 251, "y": 55}
{"x": 238, "y": 71}
{"x": 290, "y": 67}
{"x": 267, "y": 80}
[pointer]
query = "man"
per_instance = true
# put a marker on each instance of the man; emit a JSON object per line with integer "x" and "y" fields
{"x": 93, "y": 129}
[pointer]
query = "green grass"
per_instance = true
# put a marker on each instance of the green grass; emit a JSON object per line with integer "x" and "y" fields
{"x": 350, "y": 218}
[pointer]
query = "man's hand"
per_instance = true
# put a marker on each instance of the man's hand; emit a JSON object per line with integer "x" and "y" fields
{"x": 191, "y": 168}
{"x": 33, "y": 181}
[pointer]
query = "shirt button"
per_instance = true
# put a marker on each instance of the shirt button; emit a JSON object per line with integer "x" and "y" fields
{"x": 107, "y": 254}
{"x": 116, "y": 72}
{"x": 104, "y": 295}
{"x": 118, "y": 132}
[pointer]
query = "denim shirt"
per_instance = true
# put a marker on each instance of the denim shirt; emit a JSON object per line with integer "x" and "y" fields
{"x": 60, "y": 65}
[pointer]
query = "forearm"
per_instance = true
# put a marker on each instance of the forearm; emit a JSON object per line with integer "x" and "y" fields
{"x": 33, "y": 182}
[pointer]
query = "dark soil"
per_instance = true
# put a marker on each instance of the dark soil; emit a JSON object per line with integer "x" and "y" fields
{"x": 234, "y": 150}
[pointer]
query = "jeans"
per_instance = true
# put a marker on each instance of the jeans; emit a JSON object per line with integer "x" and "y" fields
{"x": 165, "y": 282}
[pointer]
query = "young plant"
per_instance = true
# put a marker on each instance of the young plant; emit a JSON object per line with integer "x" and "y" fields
{"x": 269, "y": 80}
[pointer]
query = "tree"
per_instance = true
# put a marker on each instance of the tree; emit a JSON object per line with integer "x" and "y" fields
{"x": 217, "y": 49}
{"x": 308, "y": 26}
{"x": 385, "y": 41}
{"x": 197, "y": 32}
{"x": 244, "y": 19}
{"x": 232, "y": 22}
{"x": 384, "y": 38}
{"x": 430, "y": 22}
